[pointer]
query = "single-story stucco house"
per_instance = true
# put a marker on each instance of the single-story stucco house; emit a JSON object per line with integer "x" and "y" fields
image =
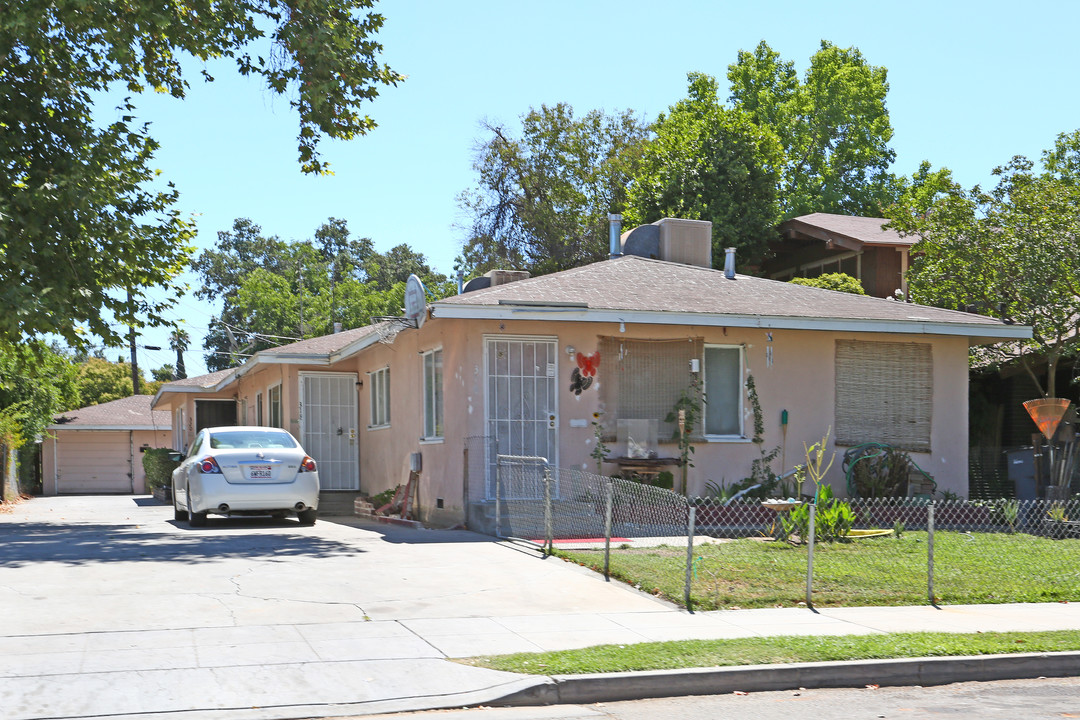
{"x": 98, "y": 449}
{"x": 525, "y": 366}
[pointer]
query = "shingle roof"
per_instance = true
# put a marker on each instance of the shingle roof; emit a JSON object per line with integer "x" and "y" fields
{"x": 325, "y": 345}
{"x": 130, "y": 413}
{"x": 866, "y": 230}
{"x": 631, "y": 283}
{"x": 200, "y": 381}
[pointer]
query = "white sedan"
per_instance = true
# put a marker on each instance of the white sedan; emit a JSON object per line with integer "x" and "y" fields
{"x": 245, "y": 471}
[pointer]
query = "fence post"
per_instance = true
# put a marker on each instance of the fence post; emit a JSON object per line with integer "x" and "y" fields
{"x": 549, "y": 533}
{"x": 608, "y": 492}
{"x": 930, "y": 553}
{"x": 689, "y": 555}
{"x": 810, "y": 560}
{"x": 498, "y": 493}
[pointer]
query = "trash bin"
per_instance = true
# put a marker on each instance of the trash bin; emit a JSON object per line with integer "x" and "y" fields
{"x": 1021, "y": 472}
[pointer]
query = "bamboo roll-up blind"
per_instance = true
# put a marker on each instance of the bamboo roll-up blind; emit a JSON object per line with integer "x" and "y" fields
{"x": 643, "y": 379}
{"x": 884, "y": 393}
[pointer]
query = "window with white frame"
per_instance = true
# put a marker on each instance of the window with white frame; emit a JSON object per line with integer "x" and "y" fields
{"x": 433, "y": 394}
{"x": 275, "y": 407}
{"x": 379, "y": 382}
{"x": 723, "y": 390}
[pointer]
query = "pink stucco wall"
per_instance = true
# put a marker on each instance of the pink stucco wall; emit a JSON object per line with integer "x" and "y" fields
{"x": 800, "y": 379}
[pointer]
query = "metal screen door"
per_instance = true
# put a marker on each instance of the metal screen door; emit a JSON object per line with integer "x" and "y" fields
{"x": 328, "y": 427}
{"x": 522, "y": 416}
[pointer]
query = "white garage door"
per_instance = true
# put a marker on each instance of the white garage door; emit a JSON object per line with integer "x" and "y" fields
{"x": 91, "y": 462}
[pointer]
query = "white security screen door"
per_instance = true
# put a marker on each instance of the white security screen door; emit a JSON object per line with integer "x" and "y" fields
{"x": 328, "y": 422}
{"x": 522, "y": 415}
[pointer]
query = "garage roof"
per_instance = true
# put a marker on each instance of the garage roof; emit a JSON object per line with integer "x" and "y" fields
{"x": 130, "y": 413}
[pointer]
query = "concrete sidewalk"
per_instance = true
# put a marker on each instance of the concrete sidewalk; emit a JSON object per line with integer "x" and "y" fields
{"x": 242, "y": 629}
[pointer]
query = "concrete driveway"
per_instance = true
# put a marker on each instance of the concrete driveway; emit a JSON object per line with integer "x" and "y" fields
{"x": 109, "y": 607}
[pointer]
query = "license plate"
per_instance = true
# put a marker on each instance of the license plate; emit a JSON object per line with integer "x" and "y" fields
{"x": 259, "y": 472}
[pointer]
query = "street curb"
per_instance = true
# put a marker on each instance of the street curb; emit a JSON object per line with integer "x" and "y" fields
{"x": 613, "y": 687}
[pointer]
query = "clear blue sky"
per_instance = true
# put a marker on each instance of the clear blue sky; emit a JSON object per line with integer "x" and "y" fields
{"x": 971, "y": 85}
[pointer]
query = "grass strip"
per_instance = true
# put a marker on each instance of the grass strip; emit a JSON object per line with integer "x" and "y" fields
{"x": 771, "y": 650}
{"x": 969, "y": 568}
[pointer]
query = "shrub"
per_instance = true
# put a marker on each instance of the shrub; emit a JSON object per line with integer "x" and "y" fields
{"x": 158, "y": 467}
{"x": 841, "y": 282}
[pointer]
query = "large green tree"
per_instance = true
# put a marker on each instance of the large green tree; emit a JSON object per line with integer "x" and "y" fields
{"x": 36, "y": 382}
{"x": 543, "y": 196}
{"x": 100, "y": 381}
{"x": 80, "y": 227}
{"x": 275, "y": 292}
{"x": 833, "y": 125}
{"x": 1012, "y": 251}
{"x": 708, "y": 162}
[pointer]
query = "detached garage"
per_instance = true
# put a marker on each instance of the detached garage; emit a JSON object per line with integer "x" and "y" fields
{"x": 98, "y": 449}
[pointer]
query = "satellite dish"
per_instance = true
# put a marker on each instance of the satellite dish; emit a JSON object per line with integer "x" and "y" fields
{"x": 415, "y": 300}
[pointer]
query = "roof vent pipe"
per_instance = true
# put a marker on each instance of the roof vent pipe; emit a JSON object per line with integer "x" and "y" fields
{"x": 337, "y": 328}
{"x": 614, "y": 231}
{"x": 729, "y": 263}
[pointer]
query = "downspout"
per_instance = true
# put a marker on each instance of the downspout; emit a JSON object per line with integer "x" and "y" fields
{"x": 131, "y": 459}
{"x": 614, "y": 228}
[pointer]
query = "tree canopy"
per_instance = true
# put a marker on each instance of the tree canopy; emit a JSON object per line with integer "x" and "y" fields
{"x": 80, "y": 226}
{"x": 275, "y": 292}
{"x": 781, "y": 147}
{"x": 833, "y": 125}
{"x": 100, "y": 381}
{"x": 542, "y": 199}
{"x": 708, "y": 162}
{"x": 36, "y": 382}
{"x": 1012, "y": 252}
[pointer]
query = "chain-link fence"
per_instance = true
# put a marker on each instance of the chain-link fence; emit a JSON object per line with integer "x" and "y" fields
{"x": 541, "y": 504}
{"x": 709, "y": 554}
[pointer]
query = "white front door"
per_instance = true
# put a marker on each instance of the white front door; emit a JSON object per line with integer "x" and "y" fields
{"x": 522, "y": 412}
{"x": 328, "y": 427}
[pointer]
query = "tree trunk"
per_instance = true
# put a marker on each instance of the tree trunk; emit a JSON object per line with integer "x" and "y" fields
{"x": 9, "y": 475}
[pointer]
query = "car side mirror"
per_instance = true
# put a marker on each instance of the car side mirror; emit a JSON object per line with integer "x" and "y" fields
{"x": 176, "y": 456}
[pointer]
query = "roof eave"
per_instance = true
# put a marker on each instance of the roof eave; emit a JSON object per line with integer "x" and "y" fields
{"x": 99, "y": 426}
{"x": 769, "y": 322}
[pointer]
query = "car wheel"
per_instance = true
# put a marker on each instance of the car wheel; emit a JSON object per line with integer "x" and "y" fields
{"x": 179, "y": 514}
{"x": 195, "y": 519}
{"x": 307, "y": 517}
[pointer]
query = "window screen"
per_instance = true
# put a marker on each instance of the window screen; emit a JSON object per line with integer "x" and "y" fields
{"x": 275, "y": 406}
{"x": 723, "y": 390}
{"x": 884, "y": 393}
{"x": 433, "y": 394}
{"x": 643, "y": 379}
{"x": 380, "y": 397}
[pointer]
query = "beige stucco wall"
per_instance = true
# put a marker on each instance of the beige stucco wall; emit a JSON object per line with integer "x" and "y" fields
{"x": 801, "y": 380}
{"x": 131, "y": 451}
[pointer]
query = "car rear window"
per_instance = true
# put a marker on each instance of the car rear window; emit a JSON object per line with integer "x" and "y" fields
{"x": 251, "y": 439}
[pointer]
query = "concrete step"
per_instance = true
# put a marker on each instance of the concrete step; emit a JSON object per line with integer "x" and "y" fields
{"x": 337, "y": 502}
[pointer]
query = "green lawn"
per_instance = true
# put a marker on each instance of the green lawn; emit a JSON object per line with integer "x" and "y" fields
{"x": 752, "y": 573}
{"x": 759, "y": 651}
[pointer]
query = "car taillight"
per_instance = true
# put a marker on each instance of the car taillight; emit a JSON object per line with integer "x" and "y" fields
{"x": 307, "y": 464}
{"x": 208, "y": 465}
